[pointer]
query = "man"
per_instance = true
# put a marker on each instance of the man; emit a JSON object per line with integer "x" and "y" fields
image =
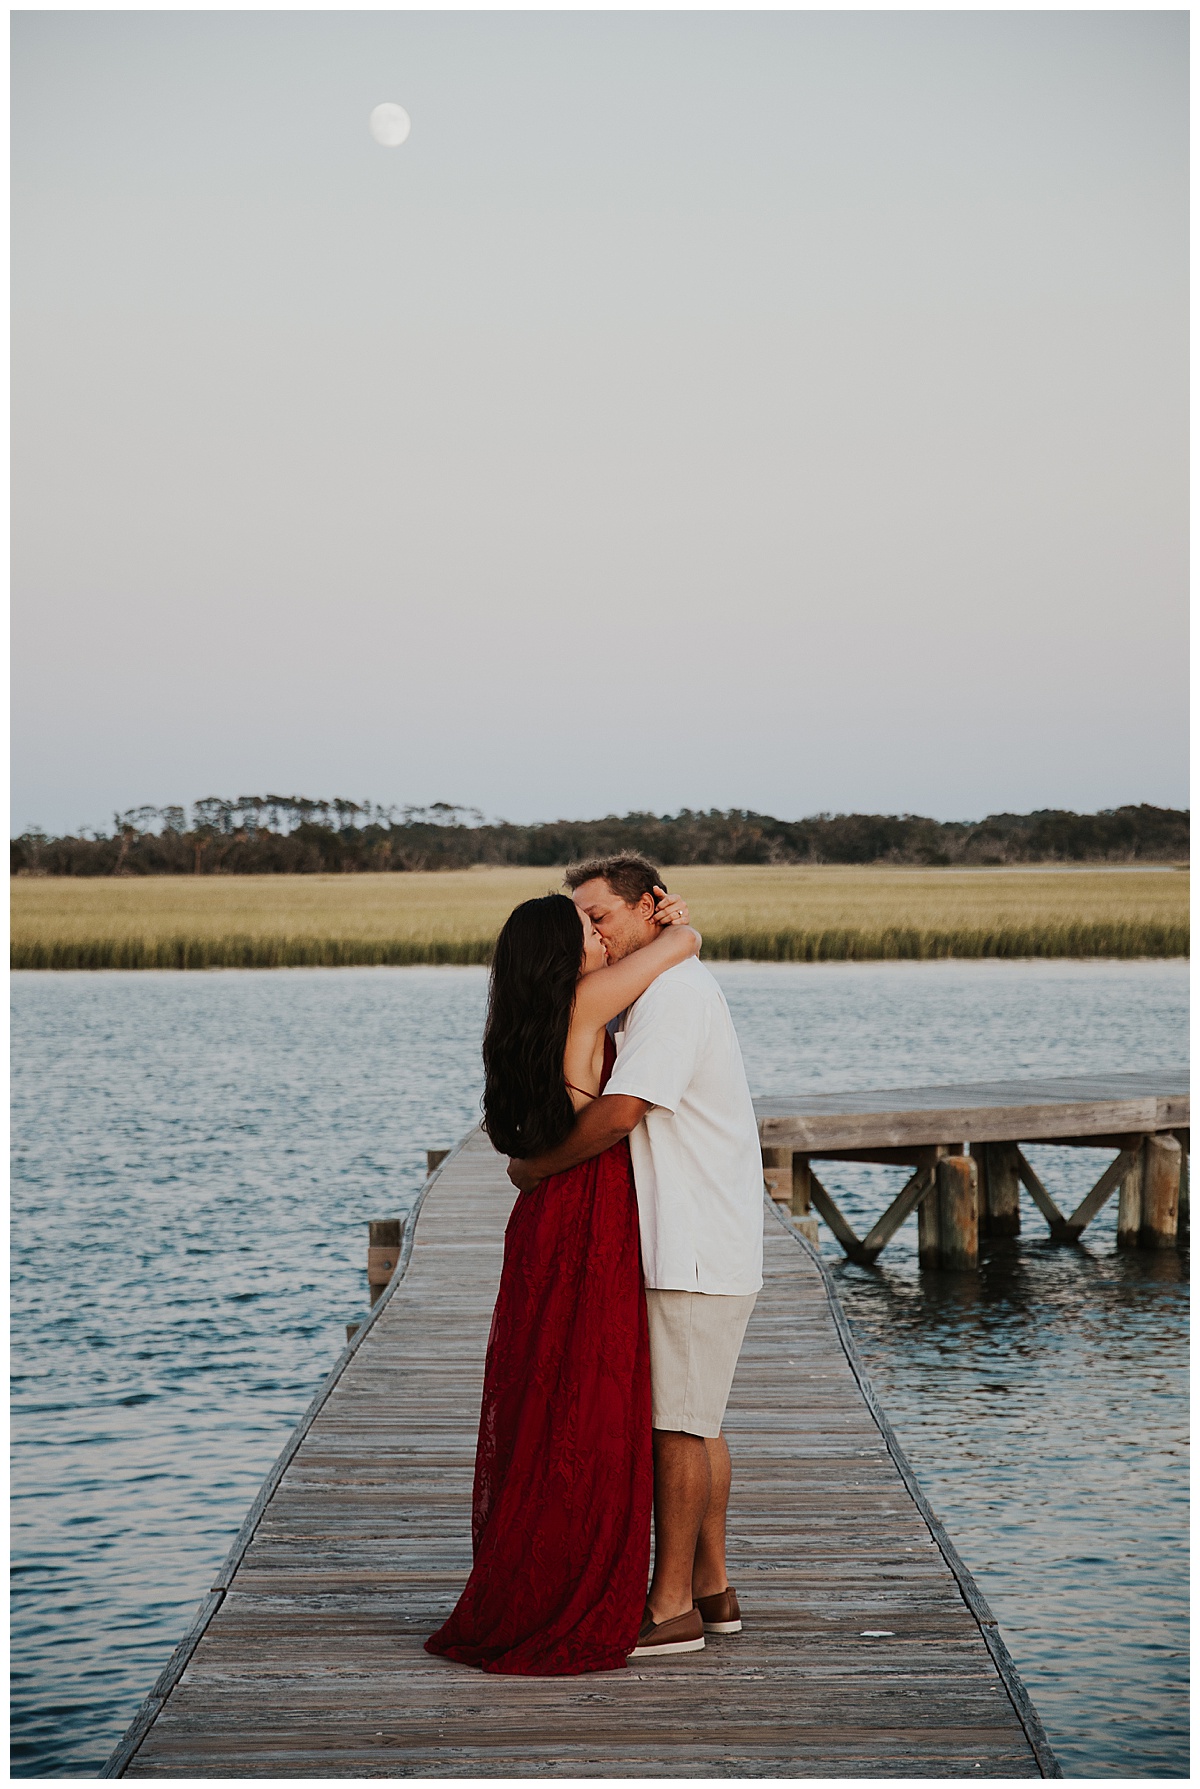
{"x": 679, "y": 1093}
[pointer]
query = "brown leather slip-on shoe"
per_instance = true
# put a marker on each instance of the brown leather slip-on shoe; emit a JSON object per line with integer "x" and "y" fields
{"x": 720, "y": 1613}
{"x": 683, "y": 1633}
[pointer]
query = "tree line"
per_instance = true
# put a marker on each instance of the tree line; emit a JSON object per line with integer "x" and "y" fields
{"x": 295, "y": 835}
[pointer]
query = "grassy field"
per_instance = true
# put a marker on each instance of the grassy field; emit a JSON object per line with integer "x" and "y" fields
{"x": 785, "y": 914}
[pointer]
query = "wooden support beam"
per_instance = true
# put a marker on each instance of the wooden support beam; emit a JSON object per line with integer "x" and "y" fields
{"x": 1129, "y": 1210}
{"x": 1100, "y": 1194}
{"x": 1112, "y": 1140}
{"x": 434, "y": 1159}
{"x": 777, "y": 1173}
{"x": 834, "y": 1219}
{"x": 1161, "y": 1158}
{"x": 958, "y": 1212}
{"x": 905, "y": 1202}
{"x": 912, "y": 1157}
{"x": 1040, "y": 1197}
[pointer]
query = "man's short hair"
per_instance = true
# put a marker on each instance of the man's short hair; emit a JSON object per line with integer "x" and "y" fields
{"x": 628, "y": 875}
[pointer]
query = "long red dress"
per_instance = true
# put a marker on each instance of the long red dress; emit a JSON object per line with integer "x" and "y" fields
{"x": 563, "y": 1469}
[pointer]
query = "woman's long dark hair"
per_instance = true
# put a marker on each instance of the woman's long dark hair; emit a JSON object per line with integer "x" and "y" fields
{"x": 536, "y": 964}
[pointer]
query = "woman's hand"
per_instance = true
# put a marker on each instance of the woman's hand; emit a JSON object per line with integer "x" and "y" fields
{"x": 523, "y": 1177}
{"x": 669, "y": 910}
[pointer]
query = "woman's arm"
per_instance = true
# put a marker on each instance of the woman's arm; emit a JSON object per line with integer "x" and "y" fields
{"x": 600, "y": 996}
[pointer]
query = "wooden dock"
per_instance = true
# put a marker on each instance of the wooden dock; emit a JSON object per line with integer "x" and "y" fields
{"x": 867, "y": 1650}
{"x": 964, "y": 1146}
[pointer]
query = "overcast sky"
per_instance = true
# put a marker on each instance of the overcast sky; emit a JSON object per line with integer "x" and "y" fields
{"x": 769, "y": 410}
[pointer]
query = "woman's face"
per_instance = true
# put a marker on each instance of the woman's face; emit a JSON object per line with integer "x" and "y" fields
{"x": 594, "y": 954}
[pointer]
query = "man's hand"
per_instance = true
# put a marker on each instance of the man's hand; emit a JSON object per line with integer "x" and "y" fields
{"x": 523, "y": 1174}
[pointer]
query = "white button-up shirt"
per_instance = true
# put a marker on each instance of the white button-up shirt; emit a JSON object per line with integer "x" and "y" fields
{"x": 697, "y": 1164}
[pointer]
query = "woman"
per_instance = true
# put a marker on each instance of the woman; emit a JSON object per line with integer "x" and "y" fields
{"x": 563, "y": 1470}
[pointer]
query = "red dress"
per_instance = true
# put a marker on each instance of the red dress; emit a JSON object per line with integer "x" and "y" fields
{"x": 563, "y": 1469}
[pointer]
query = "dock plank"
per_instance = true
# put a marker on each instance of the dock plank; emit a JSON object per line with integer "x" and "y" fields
{"x": 308, "y": 1659}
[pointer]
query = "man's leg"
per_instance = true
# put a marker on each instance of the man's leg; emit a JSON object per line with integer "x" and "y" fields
{"x": 682, "y": 1490}
{"x": 709, "y": 1575}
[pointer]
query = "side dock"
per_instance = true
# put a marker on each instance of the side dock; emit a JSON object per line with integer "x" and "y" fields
{"x": 964, "y": 1147}
{"x": 867, "y": 1651}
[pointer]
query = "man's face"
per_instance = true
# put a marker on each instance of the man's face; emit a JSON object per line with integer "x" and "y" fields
{"x": 623, "y": 928}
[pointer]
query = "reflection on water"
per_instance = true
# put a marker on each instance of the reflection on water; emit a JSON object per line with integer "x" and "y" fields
{"x": 195, "y": 1161}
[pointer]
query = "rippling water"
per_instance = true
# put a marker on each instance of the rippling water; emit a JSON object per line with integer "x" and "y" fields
{"x": 195, "y": 1160}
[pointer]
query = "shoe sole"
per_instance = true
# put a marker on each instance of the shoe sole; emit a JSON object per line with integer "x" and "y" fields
{"x": 722, "y": 1627}
{"x": 651, "y": 1652}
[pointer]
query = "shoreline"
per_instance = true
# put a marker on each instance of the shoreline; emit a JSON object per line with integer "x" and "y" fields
{"x": 1115, "y": 941}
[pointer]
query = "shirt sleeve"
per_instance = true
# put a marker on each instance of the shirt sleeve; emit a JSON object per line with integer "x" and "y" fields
{"x": 662, "y": 1043}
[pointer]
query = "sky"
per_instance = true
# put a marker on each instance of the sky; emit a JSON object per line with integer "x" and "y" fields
{"x": 782, "y": 411}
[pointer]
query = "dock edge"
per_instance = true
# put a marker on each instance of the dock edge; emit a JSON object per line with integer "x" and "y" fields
{"x": 971, "y": 1594}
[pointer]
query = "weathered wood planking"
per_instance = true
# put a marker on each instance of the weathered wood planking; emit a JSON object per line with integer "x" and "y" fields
{"x": 1074, "y": 1107}
{"x": 307, "y": 1659}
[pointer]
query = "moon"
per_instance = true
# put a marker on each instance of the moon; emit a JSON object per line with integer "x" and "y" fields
{"x": 390, "y": 125}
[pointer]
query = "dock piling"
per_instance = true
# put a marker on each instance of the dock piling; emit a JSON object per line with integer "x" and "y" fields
{"x": 801, "y": 1186}
{"x": 383, "y": 1252}
{"x": 777, "y": 1173}
{"x": 1129, "y": 1206}
{"x": 803, "y": 1216}
{"x": 999, "y": 1190}
{"x": 1161, "y": 1163}
{"x": 979, "y": 1152}
{"x": 788, "y": 1179}
{"x": 929, "y": 1230}
{"x": 958, "y": 1212}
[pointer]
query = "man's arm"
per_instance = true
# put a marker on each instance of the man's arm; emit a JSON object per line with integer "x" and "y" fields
{"x": 599, "y": 1125}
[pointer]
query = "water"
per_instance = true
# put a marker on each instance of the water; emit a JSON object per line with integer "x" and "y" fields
{"x": 1044, "y": 1403}
{"x": 195, "y": 1161}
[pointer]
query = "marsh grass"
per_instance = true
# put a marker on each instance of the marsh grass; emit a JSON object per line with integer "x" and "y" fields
{"x": 789, "y": 914}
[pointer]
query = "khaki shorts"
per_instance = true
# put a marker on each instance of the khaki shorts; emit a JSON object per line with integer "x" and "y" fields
{"x": 695, "y": 1340}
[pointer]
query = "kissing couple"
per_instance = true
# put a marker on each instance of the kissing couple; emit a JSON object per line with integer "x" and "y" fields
{"x": 632, "y": 1261}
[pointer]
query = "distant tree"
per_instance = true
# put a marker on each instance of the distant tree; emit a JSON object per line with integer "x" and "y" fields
{"x": 297, "y": 834}
{"x": 212, "y": 816}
